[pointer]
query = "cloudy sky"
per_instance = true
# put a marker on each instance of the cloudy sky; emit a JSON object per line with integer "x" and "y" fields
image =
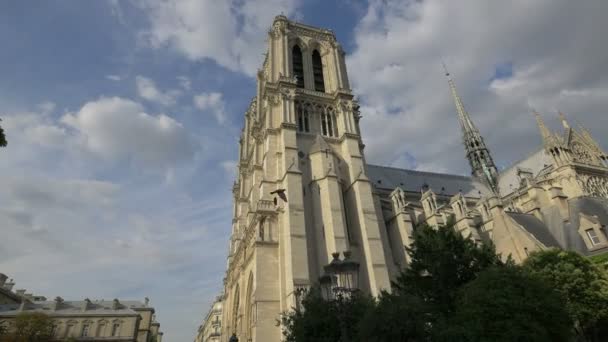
{"x": 122, "y": 119}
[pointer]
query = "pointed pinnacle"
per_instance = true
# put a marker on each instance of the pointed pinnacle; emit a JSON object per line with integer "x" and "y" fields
{"x": 563, "y": 118}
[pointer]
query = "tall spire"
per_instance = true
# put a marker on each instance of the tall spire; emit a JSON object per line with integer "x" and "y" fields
{"x": 562, "y": 117}
{"x": 463, "y": 116}
{"x": 544, "y": 131}
{"x": 480, "y": 159}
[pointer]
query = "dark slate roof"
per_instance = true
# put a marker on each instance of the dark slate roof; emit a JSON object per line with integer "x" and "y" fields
{"x": 566, "y": 232}
{"x": 411, "y": 180}
{"x": 535, "y": 227}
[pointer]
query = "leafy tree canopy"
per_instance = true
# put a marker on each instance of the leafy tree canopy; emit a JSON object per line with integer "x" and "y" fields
{"x": 33, "y": 327}
{"x": 583, "y": 286}
{"x": 442, "y": 260}
{"x": 3, "y": 141}
{"x": 507, "y": 304}
{"x": 323, "y": 321}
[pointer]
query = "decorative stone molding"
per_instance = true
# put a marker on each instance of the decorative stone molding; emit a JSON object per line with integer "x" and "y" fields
{"x": 596, "y": 186}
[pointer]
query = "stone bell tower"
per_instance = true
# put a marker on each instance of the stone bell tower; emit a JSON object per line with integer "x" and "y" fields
{"x": 302, "y": 191}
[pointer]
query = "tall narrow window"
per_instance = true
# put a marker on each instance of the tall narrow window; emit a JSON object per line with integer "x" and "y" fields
{"x": 324, "y": 123}
{"x": 85, "y": 329}
{"x": 297, "y": 65}
{"x": 302, "y": 119}
{"x": 69, "y": 329}
{"x": 116, "y": 329}
{"x": 317, "y": 71}
{"x": 595, "y": 240}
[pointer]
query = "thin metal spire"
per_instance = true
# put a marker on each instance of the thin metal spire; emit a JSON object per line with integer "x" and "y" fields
{"x": 465, "y": 121}
{"x": 480, "y": 159}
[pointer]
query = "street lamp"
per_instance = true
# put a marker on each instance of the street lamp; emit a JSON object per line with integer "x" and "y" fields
{"x": 233, "y": 338}
{"x": 341, "y": 276}
{"x": 340, "y": 281}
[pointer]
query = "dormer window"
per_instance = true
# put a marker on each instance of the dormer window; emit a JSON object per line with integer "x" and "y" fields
{"x": 297, "y": 63}
{"x": 317, "y": 71}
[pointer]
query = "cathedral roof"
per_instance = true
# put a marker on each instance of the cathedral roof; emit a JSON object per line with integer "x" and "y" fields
{"x": 411, "y": 180}
{"x": 535, "y": 227}
{"x": 508, "y": 181}
{"x": 566, "y": 232}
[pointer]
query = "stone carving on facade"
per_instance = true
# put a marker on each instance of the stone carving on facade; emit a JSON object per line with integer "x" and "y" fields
{"x": 597, "y": 186}
{"x": 278, "y": 28}
{"x": 273, "y": 99}
{"x": 582, "y": 154}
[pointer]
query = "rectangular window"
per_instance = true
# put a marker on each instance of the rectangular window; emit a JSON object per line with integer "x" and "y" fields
{"x": 115, "y": 329}
{"x": 85, "y": 330}
{"x": 68, "y": 330}
{"x": 595, "y": 240}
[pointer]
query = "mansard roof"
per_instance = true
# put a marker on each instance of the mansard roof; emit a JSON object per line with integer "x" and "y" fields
{"x": 75, "y": 308}
{"x": 411, "y": 180}
{"x": 535, "y": 227}
{"x": 566, "y": 232}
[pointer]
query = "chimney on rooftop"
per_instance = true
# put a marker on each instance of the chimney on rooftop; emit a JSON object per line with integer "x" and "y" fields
{"x": 57, "y": 303}
{"x": 9, "y": 286}
{"x": 86, "y": 304}
{"x": 3, "y": 278}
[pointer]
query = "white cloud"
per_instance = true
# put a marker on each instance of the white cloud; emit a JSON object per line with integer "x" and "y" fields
{"x": 147, "y": 89}
{"x": 113, "y": 78}
{"x": 552, "y": 46}
{"x": 211, "y": 102}
{"x": 184, "y": 82}
{"x": 34, "y": 128}
{"x": 47, "y": 107}
{"x": 118, "y": 128}
{"x": 230, "y": 32}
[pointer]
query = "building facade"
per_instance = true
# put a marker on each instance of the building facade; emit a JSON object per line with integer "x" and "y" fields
{"x": 304, "y": 190}
{"x": 89, "y": 320}
{"x": 211, "y": 328}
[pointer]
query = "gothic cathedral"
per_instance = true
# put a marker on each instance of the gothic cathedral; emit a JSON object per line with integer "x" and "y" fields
{"x": 304, "y": 191}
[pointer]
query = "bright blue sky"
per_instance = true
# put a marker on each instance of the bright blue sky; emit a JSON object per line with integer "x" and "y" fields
{"x": 123, "y": 120}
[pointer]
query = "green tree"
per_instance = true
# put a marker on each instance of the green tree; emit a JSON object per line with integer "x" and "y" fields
{"x": 33, "y": 327}
{"x": 3, "y": 141}
{"x": 320, "y": 320}
{"x": 424, "y": 294}
{"x": 395, "y": 318}
{"x": 442, "y": 261}
{"x": 583, "y": 286}
{"x": 505, "y": 303}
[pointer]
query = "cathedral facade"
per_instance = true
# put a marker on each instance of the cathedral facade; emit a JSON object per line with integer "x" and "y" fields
{"x": 305, "y": 192}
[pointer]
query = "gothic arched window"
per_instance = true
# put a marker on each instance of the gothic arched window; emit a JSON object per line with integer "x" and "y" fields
{"x": 328, "y": 123}
{"x": 317, "y": 71}
{"x": 297, "y": 63}
{"x": 303, "y": 119}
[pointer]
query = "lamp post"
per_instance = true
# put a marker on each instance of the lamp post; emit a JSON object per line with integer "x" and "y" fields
{"x": 340, "y": 281}
{"x": 233, "y": 338}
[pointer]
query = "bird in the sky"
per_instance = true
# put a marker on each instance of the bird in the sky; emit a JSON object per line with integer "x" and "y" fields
{"x": 280, "y": 193}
